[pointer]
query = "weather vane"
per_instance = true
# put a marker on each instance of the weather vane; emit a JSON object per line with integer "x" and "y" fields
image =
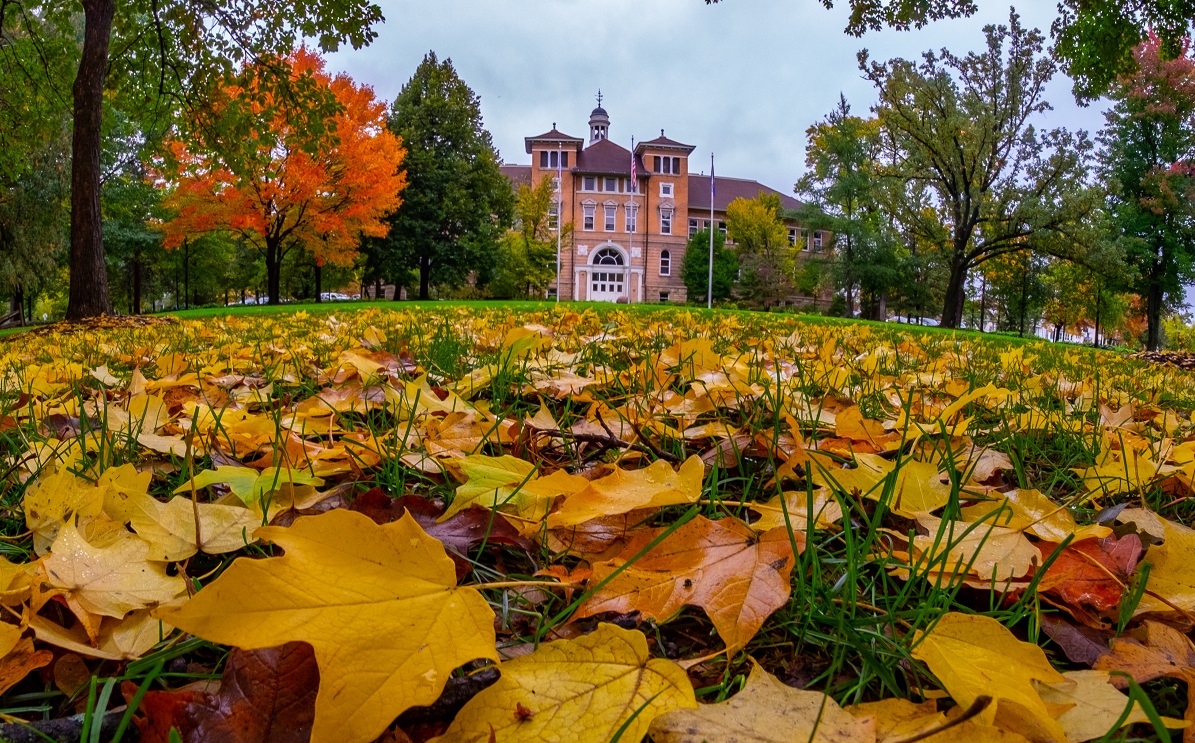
{"x": 599, "y": 97}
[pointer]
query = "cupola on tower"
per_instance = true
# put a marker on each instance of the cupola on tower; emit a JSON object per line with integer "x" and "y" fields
{"x": 599, "y": 122}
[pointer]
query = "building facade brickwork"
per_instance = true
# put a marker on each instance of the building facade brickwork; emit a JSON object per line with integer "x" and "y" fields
{"x": 631, "y": 222}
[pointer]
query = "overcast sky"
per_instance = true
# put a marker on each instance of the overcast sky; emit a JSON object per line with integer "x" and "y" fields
{"x": 743, "y": 79}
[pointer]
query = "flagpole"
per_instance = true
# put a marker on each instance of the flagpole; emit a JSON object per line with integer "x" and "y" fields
{"x": 559, "y": 211}
{"x": 631, "y": 235}
{"x": 709, "y": 287}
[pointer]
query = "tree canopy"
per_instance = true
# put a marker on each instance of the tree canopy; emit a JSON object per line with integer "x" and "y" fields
{"x": 458, "y": 203}
{"x": 155, "y": 57}
{"x": 969, "y": 174}
{"x": 1148, "y": 161}
{"x": 315, "y": 188}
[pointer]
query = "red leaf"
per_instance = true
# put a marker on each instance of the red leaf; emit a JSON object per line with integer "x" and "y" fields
{"x": 1092, "y": 572}
{"x": 266, "y": 696}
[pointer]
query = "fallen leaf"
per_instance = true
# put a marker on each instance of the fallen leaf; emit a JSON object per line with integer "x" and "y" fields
{"x": 976, "y": 656}
{"x": 378, "y": 604}
{"x": 765, "y": 711}
{"x": 583, "y": 690}
{"x": 738, "y": 578}
{"x": 107, "y": 581}
{"x": 56, "y": 498}
{"x": 1161, "y": 651}
{"x": 1095, "y": 705}
{"x": 495, "y": 482}
{"x": 265, "y": 696}
{"x": 654, "y": 486}
{"x": 20, "y": 661}
{"x": 169, "y": 527}
{"x": 1091, "y": 572}
{"x": 991, "y": 552}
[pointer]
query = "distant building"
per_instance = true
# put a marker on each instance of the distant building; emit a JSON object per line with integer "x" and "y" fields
{"x": 629, "y": 234}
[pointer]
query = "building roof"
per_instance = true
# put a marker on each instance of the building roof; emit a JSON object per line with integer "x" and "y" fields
{"x": 662, "y": 142}
{"x": 606, "y": 158}
{"x": 518, "y": 175}
{"x": 553, "y": 137}
{"x": 729, "y": 189}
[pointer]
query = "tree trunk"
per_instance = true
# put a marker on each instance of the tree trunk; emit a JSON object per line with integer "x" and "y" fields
{"x": 88, "y": 274}
{"x": 273, "y": 272}
{"x": 319, "y": 283}
{"x": 952, "y": 309}
{"x": 16, "y": 305}
{"x": 1153, "y": 312}
{"x": 186, "y": 274}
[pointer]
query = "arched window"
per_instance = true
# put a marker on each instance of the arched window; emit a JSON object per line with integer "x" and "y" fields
{"x": 665, "y": 263}
{"x": 607, "y": 257}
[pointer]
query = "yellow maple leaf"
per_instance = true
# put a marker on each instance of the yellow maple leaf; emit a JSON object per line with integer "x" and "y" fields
{"x": 992, "y": 552}
{"x": 1095, "y": 705}
{"x": 53, "y": 500}
{"x": 622, "y": 491}
{"x": 109, "y": 581}
{"x": 169, "y": 527}
{"x": 976, "y": 656}
{"x": 506, "y": 481}
{"x": 379, "y": 604}
{"x": 583, "y": 691}
{"x": 1033, "y": 512}
{"x": 765, "y": 711}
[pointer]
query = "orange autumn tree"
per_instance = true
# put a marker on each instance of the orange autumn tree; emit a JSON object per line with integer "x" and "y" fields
{"x": 316, "y": 179}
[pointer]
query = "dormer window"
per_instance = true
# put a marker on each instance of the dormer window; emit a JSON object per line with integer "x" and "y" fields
{"x": 553, "y": 159}
{"x": 669, "y": 165}
{"x": 666, "y": 190}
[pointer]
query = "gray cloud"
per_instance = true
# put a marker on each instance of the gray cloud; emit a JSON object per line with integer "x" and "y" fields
{"x": 743, "y": 79}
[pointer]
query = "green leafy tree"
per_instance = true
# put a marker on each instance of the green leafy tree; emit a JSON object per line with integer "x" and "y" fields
{"x": 1148, "y": 160}
{"x": 1094, "y": 39}
{"x": 761, "y": 244}
{"x": 148, "y": 56}
{"x": 843, "y": 191}
{"x": 960, "y": 126}
{"x": 457, "y": 204}
{"x": 695, "y": 267}
{"x": 527, "y": 253}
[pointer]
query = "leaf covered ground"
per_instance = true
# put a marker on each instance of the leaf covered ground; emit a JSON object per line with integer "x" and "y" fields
{"x": 476, "y": 524}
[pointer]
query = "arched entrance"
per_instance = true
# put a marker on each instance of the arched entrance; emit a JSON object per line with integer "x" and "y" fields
{"x": 607, "y": 279}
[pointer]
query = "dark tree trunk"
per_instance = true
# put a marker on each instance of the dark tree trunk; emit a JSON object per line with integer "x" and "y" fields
{"x": 186, "y": 274}
{"x": 1153, "y": 312}
{"x": 319, "y": 283}
{"x": 952, "y": 309}
{"x": 274, "y": 272}
{"x": 88, "y": 274}
{"x": 16, "y": 305}
{"x": 425, "y": 275}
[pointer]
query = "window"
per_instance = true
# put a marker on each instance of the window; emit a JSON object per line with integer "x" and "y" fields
{"x": 632, "y": 217}
{"x": 632, "y": 185}
{"x": 804, "y": 240}
{"x": 693, "y": 227}
{"x": 666, "y": 190}
{"x": 610, "y": 208}
{"x": 817, "y": 241}
{"x": 721, "y": 227}
{"x": 663, "y": 297}
{"x": 554, "y": 216}
{"x": 665, "y": 263}
{"x": 612, "y": 185}
{"x": 665, "y": 221}
{"x": 553, "y": 158}
{"x": 669, "y": 165}
{"x": 792, "y": 235}
{"x": 588, "y": 211}
{"x": 589, "y": 183}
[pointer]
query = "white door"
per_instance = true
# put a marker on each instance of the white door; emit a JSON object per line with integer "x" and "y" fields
{"x": 607, "y": 278}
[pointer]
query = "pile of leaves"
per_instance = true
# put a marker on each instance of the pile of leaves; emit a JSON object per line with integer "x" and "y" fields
{"x": 476, "y": 524}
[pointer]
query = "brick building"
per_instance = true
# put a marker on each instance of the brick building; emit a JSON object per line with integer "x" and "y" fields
{"x": 630, "y": 233}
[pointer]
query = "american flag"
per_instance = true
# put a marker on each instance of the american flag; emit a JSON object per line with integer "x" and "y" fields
{"x": 634, "y": 172}
{"x": 713, "y": 188}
